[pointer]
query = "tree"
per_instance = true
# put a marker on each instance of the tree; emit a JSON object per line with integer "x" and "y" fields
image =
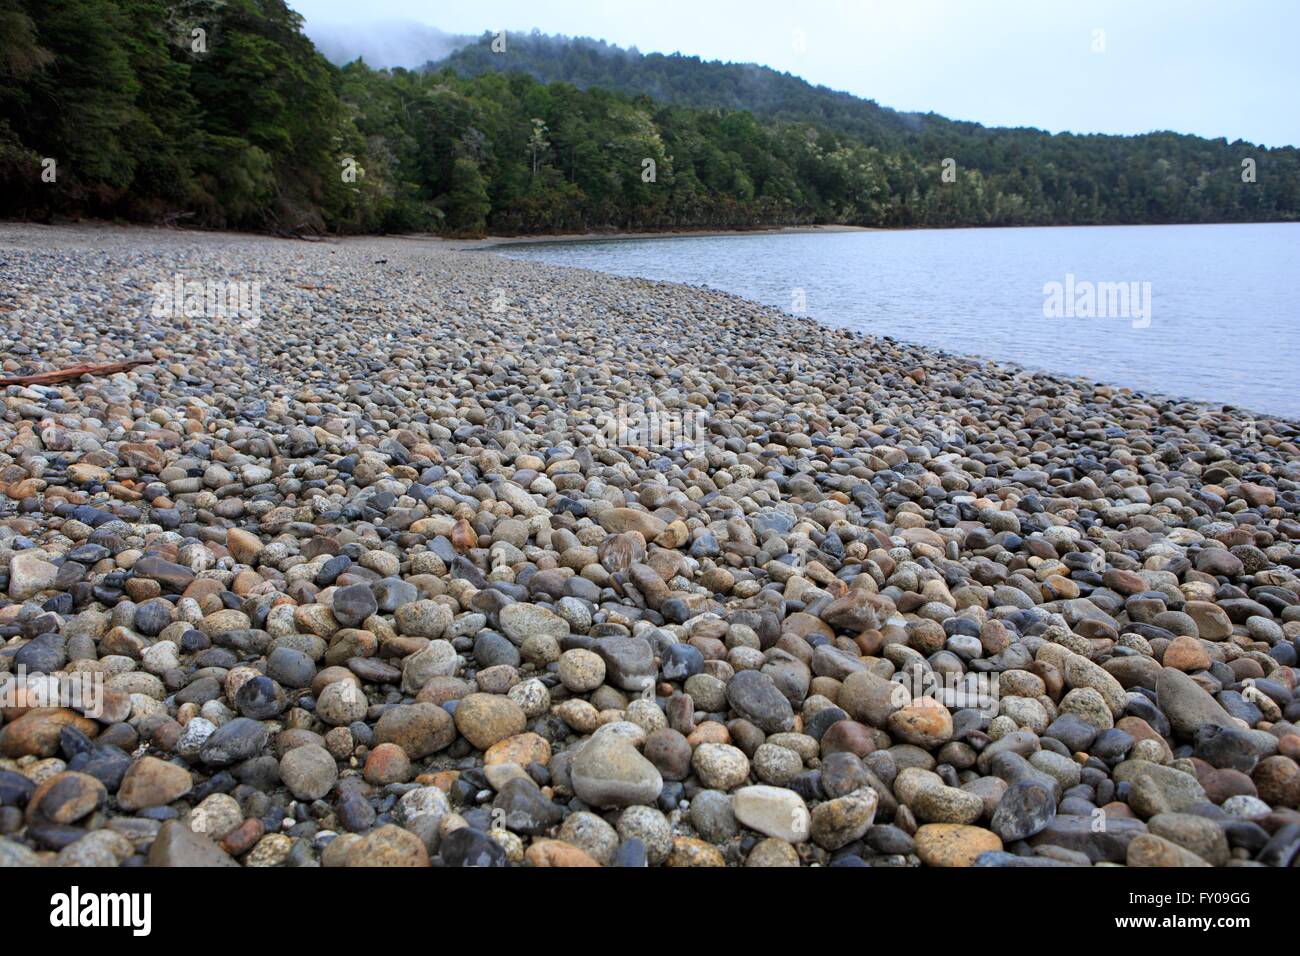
{"x": 537, "y": 144}
{"x": 467, "y": 204}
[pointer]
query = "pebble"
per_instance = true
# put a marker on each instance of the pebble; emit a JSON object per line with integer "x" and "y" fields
{"x": 469, "y": 847}
{"x": 234, "y": 742}
{"x": 522, "y": 807}
{"x": 341, "y": 703}
{"x": 837, "y": 823}
{"x": 608, "y": 772}
{"x": 1148, "y": 849}
{"x": 65, "y": 798}
{"x": 388, "y": 846}
{"x": 217, "y": 816}
{"x": 581, "y": 671}
{"x": 177, "y": 845}
{"x": 1026, "y": 808}
{"x": 557, "y": 853}
{"x": 521, "y": 621}
{"x": 419, "y": 729}
{"x": 353, "y": 604}
{"x": 1155, "y": 789}
{"x": 592, "y": 834}
{"x": 485, "y": 719}
{"x": 151, "y": 782}
{"x": 772, "y": 852}
{"x": 308, "y": 771}
{"x": 954, "y": 844}
{"x": 1186, "y": 704}
{"x": 692, "y": 852}
{"x": 99, "y": 848}
{"x": 29, "y": 575}
{"x": 756, "y": 697}
{"x": 773, "y": 812}
{"x": 712, "y": 816}
{"x": 651, "y": 829}
{"x": 720, "y": 766}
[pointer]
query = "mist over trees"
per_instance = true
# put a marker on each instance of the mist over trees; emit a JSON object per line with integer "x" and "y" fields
{"x": 224, "y": 114}
{"x": 383, "y": 43}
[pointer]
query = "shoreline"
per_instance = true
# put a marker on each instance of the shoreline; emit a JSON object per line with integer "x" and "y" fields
{"x": 1146, "y": 393}
{"x": 87, "y": 232}
{"x": 491, "y": 242}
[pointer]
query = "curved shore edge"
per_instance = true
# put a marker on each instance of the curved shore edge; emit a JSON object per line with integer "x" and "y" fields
{"x": 397, "y": 553}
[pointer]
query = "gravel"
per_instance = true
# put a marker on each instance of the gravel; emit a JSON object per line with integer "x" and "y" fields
{"x": 443, "y": 558}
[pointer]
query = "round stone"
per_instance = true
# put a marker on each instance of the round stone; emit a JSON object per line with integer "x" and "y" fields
{"x": 581, "y": 671}
{"x": 720, "y": 766}
{"x": 419, "y": 729}
{"x": 341, "y": 703}
{"x": 954, "y": 845}
{"x": 387, "y": 763}
{"x": 308, "y": 771}
{"x": 608, "y": 772}
{"x": 151, "y": 782}
{"x": 484, "y": 719}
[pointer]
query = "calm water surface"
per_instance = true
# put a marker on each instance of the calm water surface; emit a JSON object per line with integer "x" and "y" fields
{"x": 1223, "y": 324}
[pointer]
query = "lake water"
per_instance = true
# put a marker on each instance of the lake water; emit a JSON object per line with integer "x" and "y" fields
{"x": 1205, "y": 312}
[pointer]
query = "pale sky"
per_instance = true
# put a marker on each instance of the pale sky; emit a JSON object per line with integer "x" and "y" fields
{"x": 1209, "y": 67}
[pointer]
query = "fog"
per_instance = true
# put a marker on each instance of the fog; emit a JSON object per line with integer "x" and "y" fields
{"x": 1207, "y": 67}
{"x": 383, "y": 43}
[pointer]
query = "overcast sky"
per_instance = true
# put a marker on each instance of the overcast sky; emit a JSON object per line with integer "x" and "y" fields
{"x": 1212, "y": 68}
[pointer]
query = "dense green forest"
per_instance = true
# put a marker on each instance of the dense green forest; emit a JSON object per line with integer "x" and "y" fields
{"x": 221, "y": 113}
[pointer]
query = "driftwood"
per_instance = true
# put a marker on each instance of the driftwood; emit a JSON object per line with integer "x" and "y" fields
{"x": 73, "y": 371}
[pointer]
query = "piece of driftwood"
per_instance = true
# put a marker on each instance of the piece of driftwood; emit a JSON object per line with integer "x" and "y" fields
{"x": 73, "y": 371}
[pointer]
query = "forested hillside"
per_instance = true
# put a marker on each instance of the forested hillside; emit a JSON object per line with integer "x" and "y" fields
{"x": 685, "y": 81}
{"x": 1024, "y": 175}
{"x": 221, "y": 113}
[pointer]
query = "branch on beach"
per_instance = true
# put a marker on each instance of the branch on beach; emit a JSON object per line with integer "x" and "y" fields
{"x": 73, "y": 372}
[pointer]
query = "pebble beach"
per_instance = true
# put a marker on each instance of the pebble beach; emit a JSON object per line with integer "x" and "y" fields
{"x": 431, "y": 557}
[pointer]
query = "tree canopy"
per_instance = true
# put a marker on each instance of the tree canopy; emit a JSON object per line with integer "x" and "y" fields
{"x": 221, "y": 113}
